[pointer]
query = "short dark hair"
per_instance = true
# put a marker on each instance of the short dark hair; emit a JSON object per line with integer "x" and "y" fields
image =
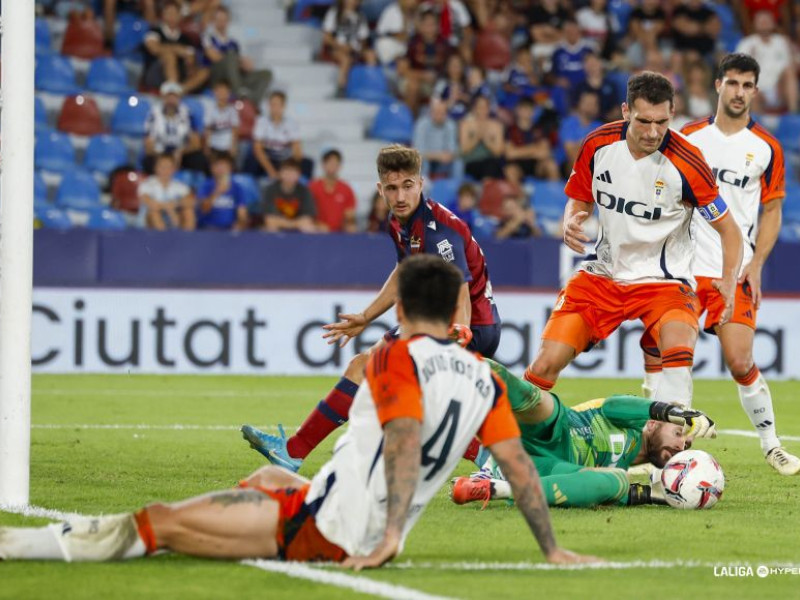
{"x": 651, "y": 87}
{"x": 170, "y": 4}
{"x": 738, "y": 61}
{"x": 166, "y": 156}
{"x": 429, "y": 288}
{"x": 223, "y": 155}
{"x": 290, "y": 163}
{"x": 332, "y": 153}
{"x": 278, "y": 94}
{"x": 398, "y": 159}
{"x": 526, "y": 101}
{"x": 467, "y": 188}
{"x": 222, "y": 81}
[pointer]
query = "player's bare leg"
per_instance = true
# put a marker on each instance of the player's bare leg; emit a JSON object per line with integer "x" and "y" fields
{"x": 676, "y": 341}
{"x": 552, "y": 358}
{"x": 737, "y": 347}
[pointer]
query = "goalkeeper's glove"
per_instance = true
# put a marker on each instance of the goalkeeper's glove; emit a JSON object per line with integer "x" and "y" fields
{"x": 460, "y": 334}
{"x": 696, "y": 424}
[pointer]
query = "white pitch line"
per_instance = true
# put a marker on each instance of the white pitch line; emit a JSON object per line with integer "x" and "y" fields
{"x": 164, "y": 393}
{"x": 343, "y": 580}
{"x": 753, "y": 434}
{"x": 611, "y": 565}
{"x": 145, "y": 427}
{"x": 38, "y": 511}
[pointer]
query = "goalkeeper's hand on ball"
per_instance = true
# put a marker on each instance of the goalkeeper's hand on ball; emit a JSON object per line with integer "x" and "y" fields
{"x": 696, "y": 424}
{"x": 460, "y": 334}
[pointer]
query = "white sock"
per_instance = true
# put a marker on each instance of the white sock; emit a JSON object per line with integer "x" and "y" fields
{"x": 650, "y": 384}
{"x": 501, "y": 489}
{"x": 757, "y": 403}
{"x": 30, "y": 543}
{"x": 675, "y": 386}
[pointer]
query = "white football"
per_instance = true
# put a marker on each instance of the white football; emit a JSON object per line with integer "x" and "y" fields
{"x": 692, "y": 479}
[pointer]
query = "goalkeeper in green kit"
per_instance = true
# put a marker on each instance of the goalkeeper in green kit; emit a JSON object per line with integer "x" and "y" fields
{"x": 582, "y": 452}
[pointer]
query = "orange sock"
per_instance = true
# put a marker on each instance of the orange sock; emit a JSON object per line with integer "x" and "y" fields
{"x": 679, "y": 356}
{"x": 748, "y": 378}
{"x": 540, "y": 382}
{"x": 145, "y": 530}
{"x": 649, "y": 368}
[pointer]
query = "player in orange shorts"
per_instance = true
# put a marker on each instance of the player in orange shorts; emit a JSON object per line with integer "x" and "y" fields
{"x": 645, "y": 180}
{"x": 749, "y": 166}
{"x": 423, "y": 401}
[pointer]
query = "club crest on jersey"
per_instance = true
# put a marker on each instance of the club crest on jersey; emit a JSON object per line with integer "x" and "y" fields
{"x": 749, "y": 157}
{"x": 414, "y": 243}
{"x": 659, "y": 189}
{"x": 446, "y": 250}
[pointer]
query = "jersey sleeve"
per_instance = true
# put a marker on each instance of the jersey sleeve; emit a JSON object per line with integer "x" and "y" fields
{"x": 579, "y": 185}
{"x": 392, "y": 379}
{"x": 699, "y": 188}
{"x": 500, "y": 424}
{"x": 626, "y": 411}
{"x": 773, "y": 180}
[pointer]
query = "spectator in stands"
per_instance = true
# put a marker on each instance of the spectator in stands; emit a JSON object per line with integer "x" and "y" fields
{"x": 222, "y": 122}
{"x": 276, "y": 138}
{"x": 466, "y": 207}
{"x": 222, "y": 56}
{"x": 287, "y": 204}
{"x": 425, "y": 61}
{"x": 527, "y": 146}
{"x": 334, "y": 198}
{"x": 698, "y": 90}
{"x": 169, "y": 129}
{"x": 518, "y": 220}
{"x": 164, "y": 202}
{"x": 481, "y": 141}
{"x": 378, "y": 219}
{"x": 569, "y": 55}
{"x": 681, "y": 118}
{"x": 574, "y": 128}
{"x": 455, "y": 24}
{"x": 222, "y": 201}
{"x": 781, "y": 11}
{"x": 394, "y": 30}
{"x": 598, "y": 83}
{"x": 695, "y": 27}
{"x": 655, "y": 62}
{"x": 169, "y": 54}
{"x": 521, "y": 80}
{"x": 436, "y": 138}
{"x": 595, "y": 23}
{"x": 145, "y": 8}
{"x": 647, "y": 23}
{"x": 777, "y": 82}
{"x": 452, "y": 88}
{"x": 546, "y": 19}
{"x": 345, "y": 39}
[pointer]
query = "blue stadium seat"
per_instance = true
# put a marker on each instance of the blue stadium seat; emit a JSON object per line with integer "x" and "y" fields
{"x": 106, "y": 219}
{"x": 484, "y": 228}
{"x": 196, "y": 112}
{"x": 368, "y": 84}
{"x": 43, "y": 40}
{"x": 130, "y": 116}
{"x": 78, "y": 190}
{"x": 394, "y": 122}
{"x": 129, "y": 37}
{"x": 304, "y": 12}
{"x": 549, "y": 199}
{"x": 619, "y": 79}
{"x": 54, "y": 73}
{"x": 51, "y": 217}
{"x": 54, "y": 152}
{"x": 445, "y": 191}
{"x": 791, "y": 205}
{"x": 250, "y": 186}
{"x": 105, "y": 153}
{"x": 372, "y": 9}
{"x": 40, "y": 115}
{"x": 39, "y": 190}
{"x": 788, "y": 132}
{"x": 108, "y": 76}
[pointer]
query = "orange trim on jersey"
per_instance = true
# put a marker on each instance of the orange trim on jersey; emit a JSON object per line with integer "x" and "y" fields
{"x": 776, "y": 186}
{"x": 579, "y": 185}
{"x": 392, "y": 379}
{"x": 689, "y": 161}
{"x": 500, "y": 424}
{"x": 696, "y": 125}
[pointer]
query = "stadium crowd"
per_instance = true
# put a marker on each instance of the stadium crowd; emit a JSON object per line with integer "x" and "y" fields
{"x": 500, "y": 94}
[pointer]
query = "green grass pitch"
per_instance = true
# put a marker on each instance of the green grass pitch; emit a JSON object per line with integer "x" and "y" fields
{"x": 80, "y": 468}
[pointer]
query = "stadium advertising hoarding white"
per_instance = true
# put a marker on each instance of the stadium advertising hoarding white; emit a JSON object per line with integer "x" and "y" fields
{"x": 279, "y": 332}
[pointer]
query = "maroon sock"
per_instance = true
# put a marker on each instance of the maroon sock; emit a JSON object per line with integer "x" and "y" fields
{"x": 326, "y": 417}
{"x": 472, "y": 450}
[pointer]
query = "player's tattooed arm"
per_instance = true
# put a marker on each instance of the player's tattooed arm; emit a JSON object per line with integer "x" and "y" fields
{"x": 526, "y": 488}
{"x": 232, "y": 497}
{"x": 401, "y": 458}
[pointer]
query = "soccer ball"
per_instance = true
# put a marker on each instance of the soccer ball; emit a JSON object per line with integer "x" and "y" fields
{"x": 692, "y": 479}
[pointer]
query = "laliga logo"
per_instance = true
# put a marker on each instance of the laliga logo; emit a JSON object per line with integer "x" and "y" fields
{"x": 622, "y": 206}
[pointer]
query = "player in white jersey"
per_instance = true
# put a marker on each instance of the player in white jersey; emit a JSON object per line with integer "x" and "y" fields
{"x": 749, "y": 167}
{"x": 646, "y": 180}
{"x": 424, "y": 399}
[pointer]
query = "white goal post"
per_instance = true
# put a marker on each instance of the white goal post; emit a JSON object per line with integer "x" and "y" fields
{"x": 16, "y": 250}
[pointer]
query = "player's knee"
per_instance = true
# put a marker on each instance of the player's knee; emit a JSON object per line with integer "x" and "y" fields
{"x": 740, "y": 365}
{"x": 263, "y": 477}
{"x": 355, "y": 369}
{"x": 545, "y": 367}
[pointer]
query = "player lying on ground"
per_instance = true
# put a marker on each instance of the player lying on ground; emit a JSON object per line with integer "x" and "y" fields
{"x": 424, "y": 401}
{"x": 749, "y": 166}
{"x": 416, "y": 226}
{"x": 582, "y": 452}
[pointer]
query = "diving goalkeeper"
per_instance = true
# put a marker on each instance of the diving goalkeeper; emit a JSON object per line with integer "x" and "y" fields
{"x": 582, "y": 452}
